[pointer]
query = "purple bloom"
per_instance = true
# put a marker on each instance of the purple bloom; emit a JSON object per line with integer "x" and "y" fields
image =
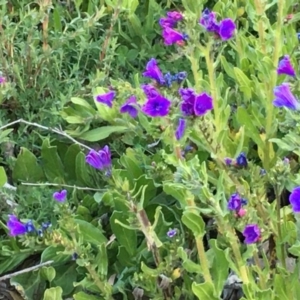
{"x": 295, "y": 199}
{"x": 203, "y": 103}
{"x": 226, "y": 29}
{"x": 188, "y": 96}
{"x": 15, "y": 226}
{"x": 2, "y": 80}
{"x": 285, "y": 98}
{"x": 180, "y": 129}
{"x": 157, "y": 107}
{"x": 175, "y": 15}
{"x": 234, "y": 202}
{"x": 228, "y": 161}
{"x": 150, "y": 91}
{"x": 172, "y": 36}
{"x": 208, "y": 21}
{"x": 99, "y": 160}
{"x": 168, "y": 78}
{"x": 153, "y": 71}
{"x": 60, "y": 196}
{"x": 285, "y": 67}
{"x": 106, "y": 98}
{"x": 167, "y": 22}
{"x": 251, "y": 233}
{"x": 130, "y": 107}
{"x": 241, "y": 160}
{"x": 29, "y": 226}
{"x": 262, "y": 172}
{"x": 171, "y": 233}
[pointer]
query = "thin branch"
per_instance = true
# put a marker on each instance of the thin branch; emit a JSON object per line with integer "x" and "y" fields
{"x": 26, "y": 270}
{"x": 54, "y": 130}
{"x": 63, "y": 185}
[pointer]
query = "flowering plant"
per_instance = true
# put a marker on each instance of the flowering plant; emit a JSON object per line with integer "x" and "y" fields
{"x": 190, "y": 179}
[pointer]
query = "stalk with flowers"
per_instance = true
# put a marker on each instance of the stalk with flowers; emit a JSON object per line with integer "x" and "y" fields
{"x": 193, "y": 207}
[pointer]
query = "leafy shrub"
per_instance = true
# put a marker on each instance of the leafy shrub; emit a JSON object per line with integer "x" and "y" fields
{"x": 184, "y": 187}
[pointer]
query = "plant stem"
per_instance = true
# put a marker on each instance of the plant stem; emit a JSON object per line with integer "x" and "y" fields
{"x": 200, "y": 246}
{"x": 54, "y": 130}
{"x": 213, "y": 88}
{"x": 279, "y": 233}
{"x": 270, "y": 106}
{"x": 101, "y": 286}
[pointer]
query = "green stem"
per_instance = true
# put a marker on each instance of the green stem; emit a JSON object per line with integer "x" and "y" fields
{"x": 104, "y": 289}
{"x": 213, "y": 88}
{"x": 279, "y": 233}
{"x": 270, "y": 106}
{"x": 200, "y": 247}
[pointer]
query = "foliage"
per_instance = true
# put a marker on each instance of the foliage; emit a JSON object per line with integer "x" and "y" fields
{"x": 154, "y": 220}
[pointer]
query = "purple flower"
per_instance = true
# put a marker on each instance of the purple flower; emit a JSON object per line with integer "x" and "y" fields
{"x": 241, "y": 160}
{"x": 208, "y": 21}
{"x": 295, "y": 199}
{"x": 153, "y": 71}
{"x": 130, "y": 107}
{"x": 29, "y": 226}
{"x": 175, "y": 15}
{"x": 234, "y": 202}
{"x": 2, "y": 80}
{"x": 99, "y": 160}
{"x": 106, "y": 98}
{"x": 150, "y": 91}
{"x": 60, "y": 196}
{"x": 203, "y": 103}
{"x": 167, "y": 22}
{"x": 188, "y": 96}
{"x": 15, "y": 226}
{"x": 172, "y": 36}
{"x": 228, "y": 161}
{"x": 285, "y": 67}
{"x": 157, "y": 107}
{"x": 226, "y": 29}
{"x": 285, "y": 98}
{"x": 251, "y": 233}
{"x": 180, "y": 129}
{"x": 171, "y": 233}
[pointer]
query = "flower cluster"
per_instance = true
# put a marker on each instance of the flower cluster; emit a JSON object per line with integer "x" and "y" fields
{"x": 16, "y": 227}
{"x": 100, "y": 160}
{"x": 193, "y": 104}
{"x": 224, "y": 29}
{"x": 241, "y": 161}
{"x": 236, "y": 203}
{"x": 170, "y": 35}
{"x": 283, "y": 95}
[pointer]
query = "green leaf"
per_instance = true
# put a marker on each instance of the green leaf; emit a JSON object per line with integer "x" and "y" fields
{"x": 70, "y": 161}
{"x": 3, "y": 178}
{"x": 102, "y": 260}
{"x": 52, "y": 163}
{"x": 125, "y": 237}
{"x": 243, "y": 81}
{"x": 48, "y": 273}
{"x": 219, "y": 269}
{"x": 204, "y": 291}
{"x": 89, "y": 233}
{"x": 102, "y": 133}
{"x": 188, "y": 264}
{"x": 54, "y": 253}
{"x": 27, "y": 168}
{"x": 81, "y": 170}
{"x": 295, "y": 249}
{"x": 66, "y": 275}
{"x": 57, "y": 20}
{"x": 194, "y": 222}
{"x": 9, "y": 263}
{"x": 84, "y": 296}
{"x": 244, "y": 118}
{"x": 54, "y": 293}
